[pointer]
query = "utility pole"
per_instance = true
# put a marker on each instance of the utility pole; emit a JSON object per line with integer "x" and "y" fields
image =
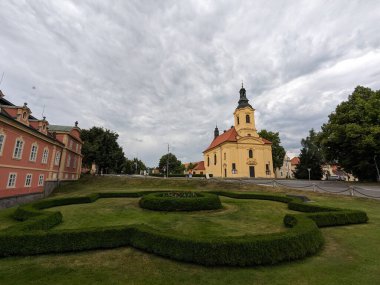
{"x": 167, "y": 164}
{"x": 1, "y": 80}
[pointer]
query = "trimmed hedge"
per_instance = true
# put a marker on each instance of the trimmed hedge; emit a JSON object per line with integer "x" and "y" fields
{"x": 159, "y": 202}
{"x": 303, "y": 237}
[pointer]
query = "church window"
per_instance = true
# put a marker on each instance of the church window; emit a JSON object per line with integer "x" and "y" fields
{"x": 215, "y": 159}
{"x": 250, "y": 153}
{"x": 208, "y": 161}
{"x": 247, "y": 119}
{"x": 267, "y": 170}
{"x": 234, "y": 171}
{"x": 237, "y": 119}
{"x": 225, "y": 156}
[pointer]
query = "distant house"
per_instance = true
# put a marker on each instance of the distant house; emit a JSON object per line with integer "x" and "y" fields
{"x": 33, "y": 152}
{"x": 285, "y": 171}
{"x": 293, "y": 164}
{"x": 199, "y": 168}
{"x": 334, "y": 170}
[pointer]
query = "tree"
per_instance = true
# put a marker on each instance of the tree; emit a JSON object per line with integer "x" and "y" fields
{"x": 351, "y": 137}
{"x": 101, "y": 146}
{"x": 278, "y": 152}
{"x": 310, "y": 157}
{"x": 175, "y": 165}
{"x": 133, "y": 166}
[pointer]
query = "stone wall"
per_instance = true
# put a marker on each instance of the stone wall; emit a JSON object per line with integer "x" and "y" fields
{"x": 23, "y": 199}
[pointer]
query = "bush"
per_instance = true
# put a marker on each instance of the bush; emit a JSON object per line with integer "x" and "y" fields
{"x": 164, "y": 202}
{"x": 303, "y": 237}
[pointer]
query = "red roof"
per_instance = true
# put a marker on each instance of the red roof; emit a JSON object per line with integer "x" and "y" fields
{"x": 295, "y": 161}
{"x": 228, "y": 136}
{"x": 200, "y": 166}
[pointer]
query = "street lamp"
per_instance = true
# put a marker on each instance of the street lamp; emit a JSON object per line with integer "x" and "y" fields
{"x": 377, "y": 168}
{"x": 309, "y": 169}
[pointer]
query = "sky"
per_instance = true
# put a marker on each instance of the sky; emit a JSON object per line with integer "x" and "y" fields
{"x": 166, "y": 72}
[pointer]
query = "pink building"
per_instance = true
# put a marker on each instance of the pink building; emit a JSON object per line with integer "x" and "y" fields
{"x": 32, "y": 152}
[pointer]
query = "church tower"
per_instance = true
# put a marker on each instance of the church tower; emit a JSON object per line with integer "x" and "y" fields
{"x": 245, "y": 116}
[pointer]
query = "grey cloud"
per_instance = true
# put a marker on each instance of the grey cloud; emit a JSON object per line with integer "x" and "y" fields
{"x": 166, "y": 72}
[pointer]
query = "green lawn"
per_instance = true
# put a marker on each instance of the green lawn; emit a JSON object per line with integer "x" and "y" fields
{"x": 238, "y": 217}
{"x": 350, "y": 255}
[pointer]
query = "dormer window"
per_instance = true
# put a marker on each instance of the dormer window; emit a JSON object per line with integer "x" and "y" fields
{"x": 24, "y": 114}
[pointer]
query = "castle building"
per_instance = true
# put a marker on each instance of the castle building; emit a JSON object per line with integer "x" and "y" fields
{"x": 240, "y": 151}
{"x": 32, "y": 152}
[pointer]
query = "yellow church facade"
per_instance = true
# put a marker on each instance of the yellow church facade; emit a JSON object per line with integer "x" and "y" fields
{"x": 240, "y": 151}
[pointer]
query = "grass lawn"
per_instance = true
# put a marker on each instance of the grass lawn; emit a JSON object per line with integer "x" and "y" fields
{"x": 350, "y": 255}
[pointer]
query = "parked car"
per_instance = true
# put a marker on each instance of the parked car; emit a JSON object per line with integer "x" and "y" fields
{"x": 333, "y": 178}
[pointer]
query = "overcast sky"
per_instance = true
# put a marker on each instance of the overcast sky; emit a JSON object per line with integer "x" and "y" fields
{"x": 159, "y": 72}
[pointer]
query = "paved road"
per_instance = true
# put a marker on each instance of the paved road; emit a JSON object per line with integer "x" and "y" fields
{"x": 335, "y": 187}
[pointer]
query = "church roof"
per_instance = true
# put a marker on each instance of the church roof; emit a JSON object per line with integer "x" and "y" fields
{"x": 228, "y": 136}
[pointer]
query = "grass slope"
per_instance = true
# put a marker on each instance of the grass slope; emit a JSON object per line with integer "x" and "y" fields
{"x": 350, "y": 255}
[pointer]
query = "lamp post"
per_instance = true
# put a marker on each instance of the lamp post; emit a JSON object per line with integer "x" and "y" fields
{"x": 309, "y": 169}
{"x": 167, "y": 164}
{"x": 377, "y": 168}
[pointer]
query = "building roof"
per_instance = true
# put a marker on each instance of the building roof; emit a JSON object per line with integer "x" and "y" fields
{"x": 200, "y": 166}
{"x": 30, "y": 127}
{"x": 229, "y": 136}
{"x": 295, "y": 160}
{"x": 58, "y": 128}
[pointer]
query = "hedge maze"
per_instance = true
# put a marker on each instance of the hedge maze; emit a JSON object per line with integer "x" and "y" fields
{"x": 35, "y": 233}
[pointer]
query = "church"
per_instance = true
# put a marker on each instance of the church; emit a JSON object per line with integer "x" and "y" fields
{"x": 240, "y": 151}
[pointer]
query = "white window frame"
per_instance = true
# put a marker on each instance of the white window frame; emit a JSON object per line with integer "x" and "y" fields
{"x": 18, "y": 149}
{"x": 57, "y": 158}
{"x": 33, "y": 155}
{"x": 68, "y": 160}
{"x": 41, "y": 180}
{"x": 2, "y": 141}
{"x": 12, "y": 178}
{"x": 45, "y": 156}
{"x": 30, "y": 176}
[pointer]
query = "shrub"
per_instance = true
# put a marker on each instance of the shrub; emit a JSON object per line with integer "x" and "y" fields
{"x": 174, "y": 202}
{"x": 303, "y": 237}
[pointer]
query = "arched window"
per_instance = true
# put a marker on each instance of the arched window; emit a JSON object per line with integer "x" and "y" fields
{"x": 237, "y": 119}
{"x": 215, "y": 159}
{"x": 250, "y": 153}
{"x": 208, "y": 161}
{"x": 247, "y": 119}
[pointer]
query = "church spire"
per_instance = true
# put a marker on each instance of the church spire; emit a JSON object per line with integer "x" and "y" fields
{"x": 243, "y": 101}
{"x": 216, "y": 132}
